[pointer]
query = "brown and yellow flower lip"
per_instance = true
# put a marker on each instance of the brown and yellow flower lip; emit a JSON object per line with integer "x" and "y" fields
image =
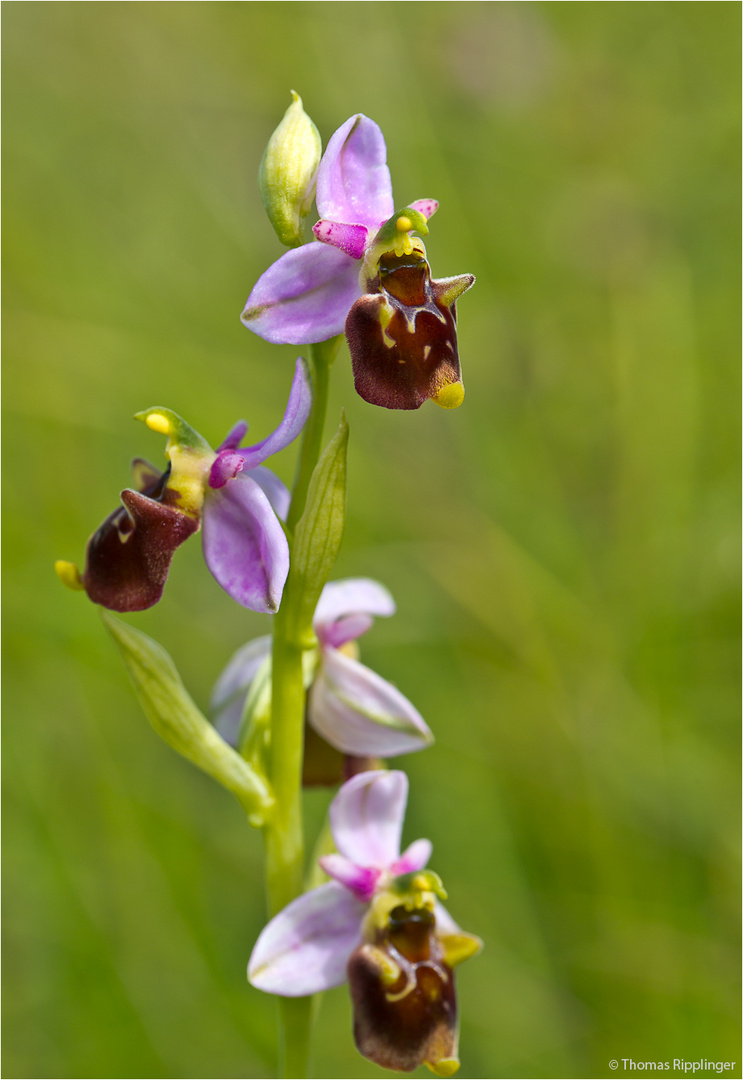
{"x": 403, "y": 995}
{"x": 128, "y": 557}
{"x": 402, "y": 336}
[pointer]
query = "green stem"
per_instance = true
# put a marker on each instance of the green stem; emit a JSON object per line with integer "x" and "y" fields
{"x": 284, "y": 833}
{"x": 320, "y": 357}
{"x": 284, "y": 841}
{"x": 295, "y": 1027}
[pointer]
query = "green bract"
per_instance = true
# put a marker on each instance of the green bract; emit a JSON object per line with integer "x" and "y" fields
{"x": 177, "y": 720}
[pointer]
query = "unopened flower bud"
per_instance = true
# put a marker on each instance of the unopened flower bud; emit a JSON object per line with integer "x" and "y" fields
{"x": 288, "y": 172}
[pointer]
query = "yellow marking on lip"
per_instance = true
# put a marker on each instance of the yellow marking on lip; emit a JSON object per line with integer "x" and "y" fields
{"x": 387, "y": 968}
{"x": 385, "y": 313}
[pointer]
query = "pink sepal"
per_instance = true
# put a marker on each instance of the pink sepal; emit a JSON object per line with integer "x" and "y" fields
{"x": 305, "y": 948}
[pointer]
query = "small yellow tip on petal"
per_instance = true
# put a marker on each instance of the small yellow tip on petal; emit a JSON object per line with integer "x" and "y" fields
{"x": 403, "y": 224}
{"x": 460, "y": 947}
{"x": 450, "y": 397}
{"x": 444, "y": 1066}
{"x": 159, "y": 423}
{"x": 69, "y": 575}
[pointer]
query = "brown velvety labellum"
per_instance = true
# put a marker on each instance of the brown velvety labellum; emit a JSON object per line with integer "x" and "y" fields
{"x": 414, "y": 1020}
{"x": 128, "y": 557}
{"x": 402, "y": 337}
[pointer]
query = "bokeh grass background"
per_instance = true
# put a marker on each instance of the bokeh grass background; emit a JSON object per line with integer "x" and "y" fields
{"x": 563, "y": 548}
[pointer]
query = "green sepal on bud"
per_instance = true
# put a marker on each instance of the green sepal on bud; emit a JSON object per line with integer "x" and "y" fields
{"x": 288, "y": 172}
{"x": 176, "y": 719}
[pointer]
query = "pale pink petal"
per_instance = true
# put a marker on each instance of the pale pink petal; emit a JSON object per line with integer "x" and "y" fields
{"x": 353, "y": 181}
{"x": 234, "y": 436}
{"x": 445, "y": 925}
{"x": 227, "y": 465}
{"x": 244, "y": 544}
{"x": 361, "y": 880}
{"x": 427, "y": 207}
{"x": 349, "y": 238}
{"x": 296, "y": 413}
{"x": 351, "y": 597}
{"x": 278, "y": 493}
{"x": 240, "y": 671}
{"x": 344, "y": 630}
{"x": 413, "y": 858}
{"x": 360, "y": 713}
{"x": 231, "y": 688}
{"x": 366, "y": 817}
{"x": 305, "y": 948}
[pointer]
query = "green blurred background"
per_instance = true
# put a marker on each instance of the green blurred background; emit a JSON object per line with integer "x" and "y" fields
{"x": 563, "y": 548}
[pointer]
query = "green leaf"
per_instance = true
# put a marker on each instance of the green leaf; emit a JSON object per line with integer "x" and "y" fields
{"x": 318, "y": 535}
{"x": 177, "y": 720}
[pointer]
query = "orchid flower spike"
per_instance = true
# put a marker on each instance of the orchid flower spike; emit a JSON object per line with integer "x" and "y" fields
{"x": 351, "y": 707}
{"x": 366, "y": 273}
{"x": 379, "y": 924}
{"x": 229, "y": 491}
